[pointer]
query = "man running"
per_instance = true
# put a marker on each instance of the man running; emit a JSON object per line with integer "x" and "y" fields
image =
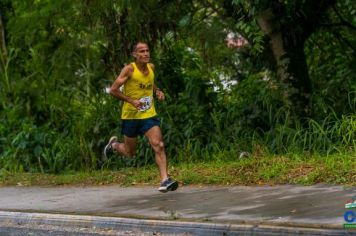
{"x": 139, "y": 116}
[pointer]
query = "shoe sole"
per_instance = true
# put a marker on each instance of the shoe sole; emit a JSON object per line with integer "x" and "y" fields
{"x": 104, "y": 157}
{"x": 172, "y": 187}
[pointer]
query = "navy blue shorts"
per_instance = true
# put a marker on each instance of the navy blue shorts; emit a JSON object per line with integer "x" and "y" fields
{"x": 134, "y": 128}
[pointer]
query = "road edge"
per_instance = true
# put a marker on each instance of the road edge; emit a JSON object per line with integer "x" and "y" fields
{"x": 162, "y": 226}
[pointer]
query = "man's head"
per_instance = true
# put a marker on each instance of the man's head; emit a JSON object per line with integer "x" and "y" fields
{"x": 141, "y": 52}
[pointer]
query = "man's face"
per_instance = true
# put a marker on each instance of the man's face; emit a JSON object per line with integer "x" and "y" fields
{"x": 142, "y": 53}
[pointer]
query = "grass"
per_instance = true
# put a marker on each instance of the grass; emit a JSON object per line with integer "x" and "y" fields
{"x": 254, "y": 170}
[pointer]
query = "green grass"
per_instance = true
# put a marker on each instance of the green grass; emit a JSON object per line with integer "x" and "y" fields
{"x": 255, "y": 170}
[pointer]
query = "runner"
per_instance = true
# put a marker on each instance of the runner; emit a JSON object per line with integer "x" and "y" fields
{"x": 139, "y": 116}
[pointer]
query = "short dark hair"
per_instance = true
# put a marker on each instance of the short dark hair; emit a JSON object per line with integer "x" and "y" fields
{"x": 136, "y": 44}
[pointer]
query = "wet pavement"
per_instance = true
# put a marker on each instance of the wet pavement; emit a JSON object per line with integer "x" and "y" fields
{"x": 313, "y": 207}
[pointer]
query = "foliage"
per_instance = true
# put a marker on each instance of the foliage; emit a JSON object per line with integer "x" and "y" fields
{"x": 262, "y": 169}
{"x": 55, "y": 116}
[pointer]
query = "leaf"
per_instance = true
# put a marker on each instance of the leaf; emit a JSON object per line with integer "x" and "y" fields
{"x": 184, "y": 21}
{"x": 38, "y": 150}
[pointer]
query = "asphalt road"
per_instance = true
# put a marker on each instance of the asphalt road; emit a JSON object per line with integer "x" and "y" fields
{"x": 290, "y": 209}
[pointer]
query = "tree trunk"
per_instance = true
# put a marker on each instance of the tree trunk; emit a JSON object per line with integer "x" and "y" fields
{"x": 3, "y": 50}
{"x": 293, "y": 72}
{"x": 288, "y": 50}
{"x": 116, "y": 33}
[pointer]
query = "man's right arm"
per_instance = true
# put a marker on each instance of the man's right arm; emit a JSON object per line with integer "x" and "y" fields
{"x": 121, "y": 79}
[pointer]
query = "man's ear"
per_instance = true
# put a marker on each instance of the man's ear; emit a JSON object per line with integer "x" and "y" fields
{"x": 133, "y": 54}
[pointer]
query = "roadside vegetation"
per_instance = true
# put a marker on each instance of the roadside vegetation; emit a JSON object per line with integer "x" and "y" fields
{"x": 253, "y": 170}
{"x": 228, "y": 91}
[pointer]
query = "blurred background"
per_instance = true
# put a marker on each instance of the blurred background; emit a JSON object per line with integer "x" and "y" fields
{"x": 263, "y": 77}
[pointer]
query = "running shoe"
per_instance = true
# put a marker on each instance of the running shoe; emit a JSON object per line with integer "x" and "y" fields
{"x": 108, "y": 150}
{"x": 168, "y": 185}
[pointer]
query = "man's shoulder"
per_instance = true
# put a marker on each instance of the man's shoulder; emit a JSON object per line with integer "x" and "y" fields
{"x": 152, "y": 66}
{"x": 128, "y": 68}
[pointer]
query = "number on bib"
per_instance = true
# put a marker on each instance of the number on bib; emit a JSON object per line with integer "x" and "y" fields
{"x": 147, "y": 103}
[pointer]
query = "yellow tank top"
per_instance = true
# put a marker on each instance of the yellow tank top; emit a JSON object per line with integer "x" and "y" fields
{"x": 139, "y": 86}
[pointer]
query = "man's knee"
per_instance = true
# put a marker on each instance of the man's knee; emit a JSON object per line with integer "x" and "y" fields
{"x": 157, "y": 145}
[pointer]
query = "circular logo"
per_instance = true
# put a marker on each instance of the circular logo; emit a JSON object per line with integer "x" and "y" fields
{"x": 350, "y": 216}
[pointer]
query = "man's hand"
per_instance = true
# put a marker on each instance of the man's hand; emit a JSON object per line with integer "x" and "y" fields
{"x": 137, "y": 104}
{"x": 160, "y": 95}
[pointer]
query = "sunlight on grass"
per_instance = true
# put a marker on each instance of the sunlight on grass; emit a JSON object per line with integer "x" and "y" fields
{"x": 294, "y": 169}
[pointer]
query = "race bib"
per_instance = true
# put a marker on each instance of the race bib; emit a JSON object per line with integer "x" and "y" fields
{"x": 147, "y": 103}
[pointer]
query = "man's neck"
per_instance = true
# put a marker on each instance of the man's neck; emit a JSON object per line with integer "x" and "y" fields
{"x": 141, "y": 66}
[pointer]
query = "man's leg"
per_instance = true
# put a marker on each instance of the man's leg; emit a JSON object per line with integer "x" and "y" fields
{"x": 154, "y": 136}
{"x": 127, "y": 148}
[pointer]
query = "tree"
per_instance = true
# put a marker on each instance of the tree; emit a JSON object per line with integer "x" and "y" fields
{"x": 286, "y": 26}
{"x": 4, "y": 7}
{"x": 3, "y": 50}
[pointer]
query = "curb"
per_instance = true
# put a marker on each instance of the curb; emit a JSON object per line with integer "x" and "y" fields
{"x": 161, "y": 226}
